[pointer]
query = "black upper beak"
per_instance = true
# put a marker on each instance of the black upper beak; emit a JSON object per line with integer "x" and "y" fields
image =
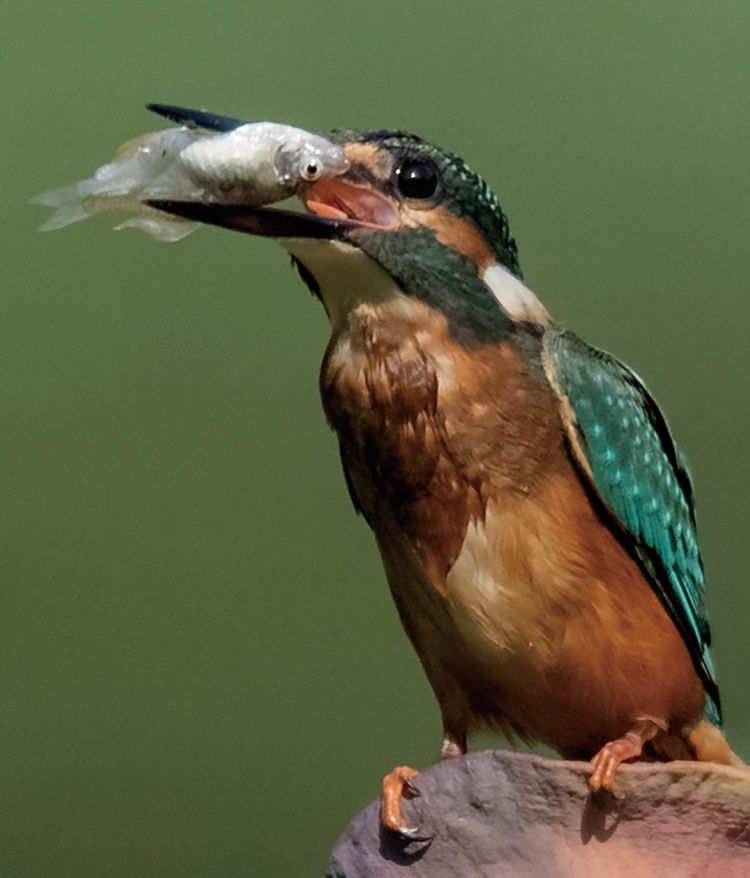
{"x": 195, "y": 118}
{"x": 266, "y": 221}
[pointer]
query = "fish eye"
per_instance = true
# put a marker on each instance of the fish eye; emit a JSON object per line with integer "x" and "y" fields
{"x": 417, "y": 178}
{"x": 312, "y": 170}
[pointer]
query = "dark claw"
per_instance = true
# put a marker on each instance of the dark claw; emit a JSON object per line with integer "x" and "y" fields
{"x": 411, "y": 788}
{"x": 195, "y": 118}
{"x": 412, "y": 833}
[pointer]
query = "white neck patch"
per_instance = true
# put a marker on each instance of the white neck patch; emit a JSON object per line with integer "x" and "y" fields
{"x": 346, "y": 276}
{"x": 514, "y": 297}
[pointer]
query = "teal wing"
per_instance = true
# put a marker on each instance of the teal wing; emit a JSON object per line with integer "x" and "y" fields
{"x": 622, "y": 443}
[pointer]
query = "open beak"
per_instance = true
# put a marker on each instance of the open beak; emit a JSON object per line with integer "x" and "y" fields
{"x": 337, "y": 210}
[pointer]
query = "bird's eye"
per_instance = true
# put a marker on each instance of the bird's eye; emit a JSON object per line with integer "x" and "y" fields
{"x": 311, "y": 170}
{"x": 417, "y": 178}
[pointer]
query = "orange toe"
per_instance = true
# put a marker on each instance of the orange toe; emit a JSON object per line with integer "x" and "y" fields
{"x": 630, "y": 746}
{"x": 397, "y": 784}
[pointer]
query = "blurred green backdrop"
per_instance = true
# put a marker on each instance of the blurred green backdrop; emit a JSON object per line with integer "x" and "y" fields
{"x": 202, "y": 674}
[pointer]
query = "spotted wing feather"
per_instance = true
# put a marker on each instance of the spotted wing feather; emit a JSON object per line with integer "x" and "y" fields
{"x": 622, "y": 443}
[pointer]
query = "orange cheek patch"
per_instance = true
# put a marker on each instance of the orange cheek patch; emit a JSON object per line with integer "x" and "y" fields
{"x": 377, "y": 160}
{"x": 450, "y": 230}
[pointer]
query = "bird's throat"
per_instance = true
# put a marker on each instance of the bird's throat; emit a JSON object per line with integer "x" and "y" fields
{"x": 383, "y": 268}
{"x": 344, "y": 276}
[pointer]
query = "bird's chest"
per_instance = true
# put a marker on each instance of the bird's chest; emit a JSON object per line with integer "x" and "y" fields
{"x": 430, "y": 431}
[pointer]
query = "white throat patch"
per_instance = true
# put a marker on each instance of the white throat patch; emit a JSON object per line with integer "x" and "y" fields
{"x": 514, "y": 297}
{"x": 346, "y": 276}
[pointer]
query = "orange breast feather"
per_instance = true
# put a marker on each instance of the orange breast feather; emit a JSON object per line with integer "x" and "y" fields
{"x": 525, "y": 609}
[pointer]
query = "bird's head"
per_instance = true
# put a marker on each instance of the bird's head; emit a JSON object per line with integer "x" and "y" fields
{"x": 407, "y": 217}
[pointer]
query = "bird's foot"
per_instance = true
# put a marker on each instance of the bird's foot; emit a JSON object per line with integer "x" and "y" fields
{"x": 397, "y": 785}
{"x": 630, "y": 746}
{"x": 453, "y": 746}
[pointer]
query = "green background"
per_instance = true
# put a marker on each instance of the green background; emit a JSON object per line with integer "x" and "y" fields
{"x": 201, "y": 670}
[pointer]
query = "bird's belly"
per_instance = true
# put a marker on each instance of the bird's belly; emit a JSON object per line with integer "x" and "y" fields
{"x": 548, "y": 630}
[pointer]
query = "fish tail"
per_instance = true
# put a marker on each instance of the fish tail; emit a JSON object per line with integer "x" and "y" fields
{"x": 68, "y": 204}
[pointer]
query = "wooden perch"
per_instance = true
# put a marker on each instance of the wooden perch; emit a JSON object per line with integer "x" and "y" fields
{"x": 503, "y": 813}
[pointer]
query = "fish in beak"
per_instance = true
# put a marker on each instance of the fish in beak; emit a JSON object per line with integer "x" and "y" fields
{"x": 337, "y": 206}
{"x": 219, "y": 163}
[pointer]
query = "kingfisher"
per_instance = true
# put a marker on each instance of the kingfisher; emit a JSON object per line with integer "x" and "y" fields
{"x": 533, "y": 512}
